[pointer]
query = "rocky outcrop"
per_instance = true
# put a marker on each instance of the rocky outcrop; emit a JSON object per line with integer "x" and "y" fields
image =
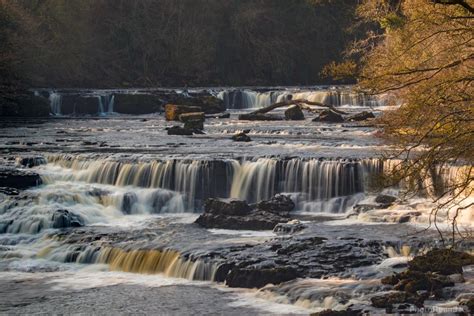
{"x": 241, "y": 137}
{"x": 206, "y": 103}
{"x": 259, "y": 117}
{"x": 30, "y": 161}
{"x": 137, "y": 103}
{"x": 66, "y": 219}
{"x": 193, "y": 116}
{"x": 288, "y": 228}
{"x": 385, "y": 199}
{"x": 239, "y": 215}
{"x": 18, "y": 179}
{"x": 362, "y": 116}
{"x": 193, "y": 121}
{"x": 22, "y": 103}
{"x": 178, "y": 130}
{"x": 279, "y": 204}
{"x": 329, "y": 117}
{"x": 294, "y": 113}
{"x": 173, "y": 111}
{"x": 427, "y": 275}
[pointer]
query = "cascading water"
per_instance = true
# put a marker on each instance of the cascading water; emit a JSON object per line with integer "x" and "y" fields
{"x": 307, "y": 181}
{"x": 106, "y": 104}
{"x": 244, "y": 99}
{"x": 55, "y": 102}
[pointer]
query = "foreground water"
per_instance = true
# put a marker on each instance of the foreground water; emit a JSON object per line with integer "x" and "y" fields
{"x": 135, "y": 193}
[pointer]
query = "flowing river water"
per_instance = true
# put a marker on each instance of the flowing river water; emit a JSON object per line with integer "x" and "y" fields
{"x": 133, "y": 193}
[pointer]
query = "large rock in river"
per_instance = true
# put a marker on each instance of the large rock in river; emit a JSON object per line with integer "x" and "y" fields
{"x": 66, "y": 219}
{"x": 329, "y": 116}
{"x": 294, "y": 113}
{"x": 239, "y": 215}
{"x": 173, "y": 111}
{"x": 18, "y": 179}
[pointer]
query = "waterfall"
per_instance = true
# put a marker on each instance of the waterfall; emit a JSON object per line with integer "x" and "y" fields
{"x": 106, "y": 104}
{"x": 55, "y": 101}
{"x": 252, "y": 180}
{"x": 167, "y": 261}
{"x": 244, "y": 99}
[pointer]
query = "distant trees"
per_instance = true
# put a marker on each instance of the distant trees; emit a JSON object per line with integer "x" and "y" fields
{"x": 110, "y": 43}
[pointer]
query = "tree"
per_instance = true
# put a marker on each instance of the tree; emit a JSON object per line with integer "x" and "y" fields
{"x": 424, "y": 56}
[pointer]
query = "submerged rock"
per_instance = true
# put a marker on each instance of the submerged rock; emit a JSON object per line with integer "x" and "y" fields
{"x": 256, "y": 278}
{"x": 329, "y": 116}
{"x": 66, "y": 219}
{"x": 294, "y": 113}
{"x": 241, "y": 137}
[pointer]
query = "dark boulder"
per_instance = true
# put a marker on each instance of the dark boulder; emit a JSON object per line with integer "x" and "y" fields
{"x": 137, "y": 103}
{"x": 329, "y": 117}
{"x": 66, "y": 219}
{"x": 256, "y": 220}
{"x": 443, "y": 261}
{"x": 365, "y": 115}
{"x": 294, "y": 113}
{"x": 239, "y": 215}
{"x": 31, "y": 161}
{"x": 9, "y": 191}
{"x": 259, "y": 117}
{"x": 233, "y": 207}
{"x": 385, "y": 199}
{"x": 193, "y": 116}
{"x": 257, "y": 278}
{"x": 241, "y": 137}
{"x": 178, "y": 130}
{"x": 128, "y": 201}
{"x": 195, "y": 125}
{"x": 18, "y": 179}
{"x": 289, "y": 228}
{"x": 279, "y": 204}
{"x": 392, "y": 298}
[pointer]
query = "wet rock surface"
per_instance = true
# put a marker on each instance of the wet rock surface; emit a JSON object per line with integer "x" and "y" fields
{"x": 18, "y": 179}
{"x": 426, "y": 277}
{"x": 294, "y": 113}
{"x": 241, "y": 137}
{"x": 239, "y": 215}
{"x": 66, "y": 219}
{"x": 329, "y": 116}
